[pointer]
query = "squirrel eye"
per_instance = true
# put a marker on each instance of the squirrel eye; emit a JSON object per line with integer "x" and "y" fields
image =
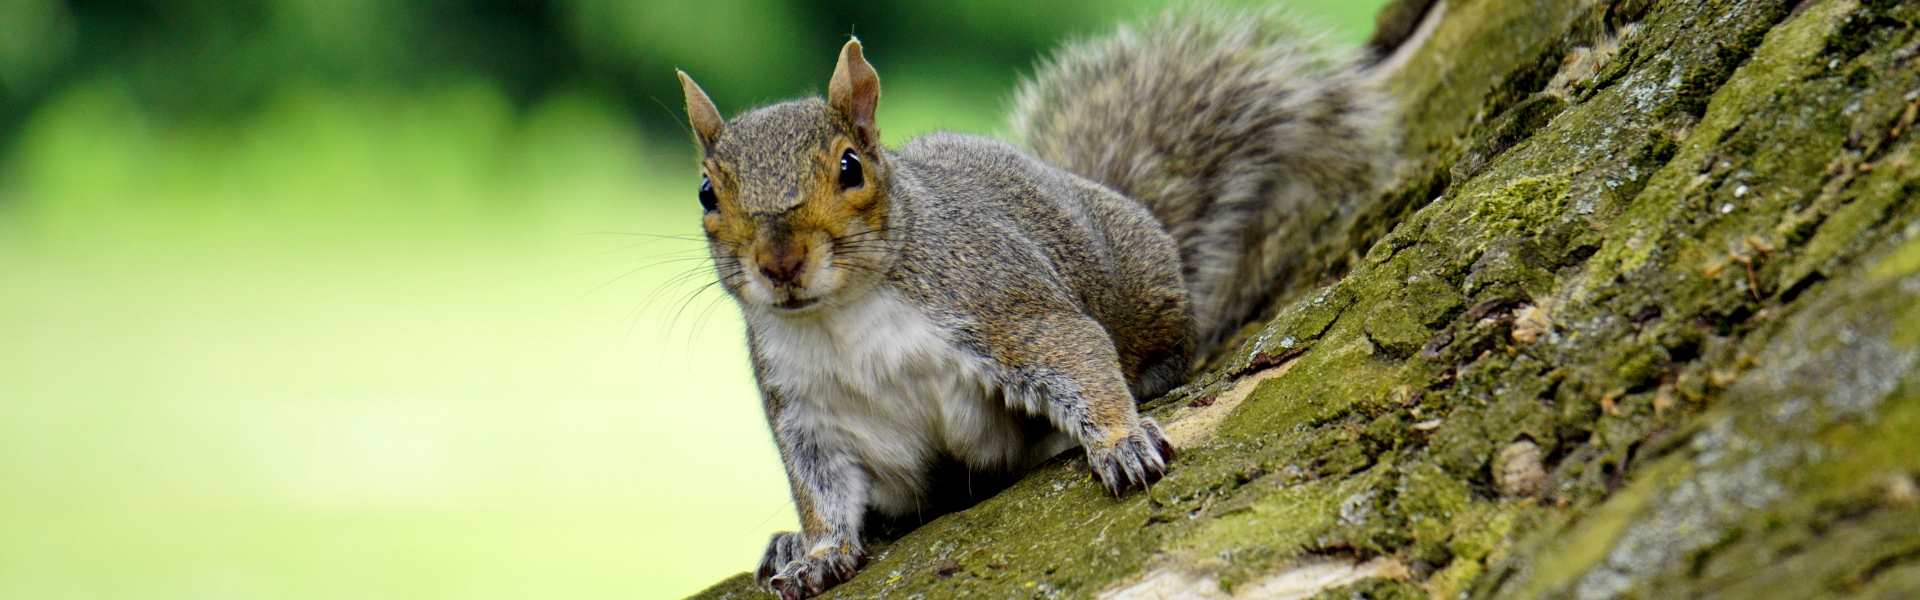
{"x": 851, "y": 175}
{"x": 707, "y": 199}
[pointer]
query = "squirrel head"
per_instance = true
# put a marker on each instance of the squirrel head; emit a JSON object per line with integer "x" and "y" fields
{"x": 795, "y": 194}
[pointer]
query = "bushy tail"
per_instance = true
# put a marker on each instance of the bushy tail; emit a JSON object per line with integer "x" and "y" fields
{"x": 1249, "y": 139}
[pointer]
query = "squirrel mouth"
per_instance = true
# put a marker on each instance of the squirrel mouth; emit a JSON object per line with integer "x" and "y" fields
{"x": 794, "y": 303}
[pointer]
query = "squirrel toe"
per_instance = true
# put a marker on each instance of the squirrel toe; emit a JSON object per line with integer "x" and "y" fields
{"x": 782, "y": 549}
{"x": 1138, "y": 458}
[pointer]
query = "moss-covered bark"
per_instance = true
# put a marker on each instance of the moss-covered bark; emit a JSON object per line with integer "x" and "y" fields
{"x": 1643, "y": 322}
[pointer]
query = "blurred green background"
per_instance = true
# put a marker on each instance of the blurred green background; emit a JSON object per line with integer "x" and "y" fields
{"x": 343, "y": 298}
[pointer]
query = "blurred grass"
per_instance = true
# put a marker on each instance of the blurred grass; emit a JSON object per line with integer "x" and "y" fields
{"x": 357, "y": 347}
{"x": 384, "y": 342}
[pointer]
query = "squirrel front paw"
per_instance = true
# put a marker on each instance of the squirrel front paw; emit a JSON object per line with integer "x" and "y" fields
{"x": 1135, "y": 456}
{"x": 782, "y": 549}
{"x": 790, "y": 570}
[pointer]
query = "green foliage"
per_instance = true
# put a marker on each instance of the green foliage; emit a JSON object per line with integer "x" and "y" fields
{"x": 218, "y": 58}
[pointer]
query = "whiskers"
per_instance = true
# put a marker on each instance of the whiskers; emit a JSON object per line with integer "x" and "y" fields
{"x": 864, "y": 252}
{"x": 696, "y": 265}
{"x": 698, "y": 287}
{"x": 707, "y": 297}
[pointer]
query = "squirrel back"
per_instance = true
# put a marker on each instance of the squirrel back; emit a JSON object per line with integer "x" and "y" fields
{"x": 1245, "y": 136}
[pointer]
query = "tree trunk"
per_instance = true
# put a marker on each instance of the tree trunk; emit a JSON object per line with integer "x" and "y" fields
{"x": 1641, "y": 323}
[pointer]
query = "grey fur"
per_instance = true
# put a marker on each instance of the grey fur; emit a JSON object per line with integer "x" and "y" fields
{"x": 1248, "y": 139}
{"x": 1039, "y": 241}
{"x": 1064, "y": 296}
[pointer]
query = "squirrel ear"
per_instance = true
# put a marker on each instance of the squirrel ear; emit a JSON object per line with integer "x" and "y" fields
{"x": 700, "y": 111}
{"x": 855, "y": 92}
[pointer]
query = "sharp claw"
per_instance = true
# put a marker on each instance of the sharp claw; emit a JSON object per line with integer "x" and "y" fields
{"x": 1138, "y": 459}
{"x": 796, "y": 576}
{"x": 1159, "y": 439}
{"x": 1137, "y": 468}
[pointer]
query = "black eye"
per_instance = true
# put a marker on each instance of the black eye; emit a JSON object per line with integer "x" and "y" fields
{"x": 707, "y": 199}
{"x": 851, "y": 175}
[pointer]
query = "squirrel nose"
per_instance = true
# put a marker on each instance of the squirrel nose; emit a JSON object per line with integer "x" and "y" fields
{"x": 781, "y": 262}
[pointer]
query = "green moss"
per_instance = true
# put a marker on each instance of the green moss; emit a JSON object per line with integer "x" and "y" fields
{"x": 1525, "y": 204}
{"x": 1564, "y": 556}
{"x": 1640, "y": 365}
{"x": 1787, "y": 54}
{"x": 1513, "y": 267}
{"x": 1396, "y": 328}
{"x": 1462, "y": 446}
{"x": 1866, "y": 465}
{"x": 1468, "y": 66}
{"x": 1434, "y": 502}
{"x": 1479, "y": 533}
{"x": 999, "y": 551}
{"x": 1266, "y": 527}
{"x": 1512, "y": 126}
{"x": 1378, "y": 588}
{"x": 1326, "y": 382}
{"x": 737, "y": 587}
{"x": 1304, "y": 322}
{"x": 1455, "y": 579}
{"x": 1904, "y": 261}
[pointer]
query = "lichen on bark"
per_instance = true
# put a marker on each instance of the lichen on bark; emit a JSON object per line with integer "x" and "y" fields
{"x": 1669, "y": 244}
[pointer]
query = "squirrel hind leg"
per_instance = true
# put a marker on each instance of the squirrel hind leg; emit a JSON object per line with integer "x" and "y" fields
{"x": 1161, "y": 375}
{"x": 1400, "y": 30}
{"x": 1398, "y": 22}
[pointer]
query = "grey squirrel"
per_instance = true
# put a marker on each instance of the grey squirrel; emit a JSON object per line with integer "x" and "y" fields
{"x": 958, "y": 299}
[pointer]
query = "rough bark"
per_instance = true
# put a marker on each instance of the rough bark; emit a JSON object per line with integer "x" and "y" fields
{"x": 1641, "y": 323}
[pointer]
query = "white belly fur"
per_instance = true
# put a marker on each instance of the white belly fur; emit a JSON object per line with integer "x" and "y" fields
{"x": 881, "y": 380}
